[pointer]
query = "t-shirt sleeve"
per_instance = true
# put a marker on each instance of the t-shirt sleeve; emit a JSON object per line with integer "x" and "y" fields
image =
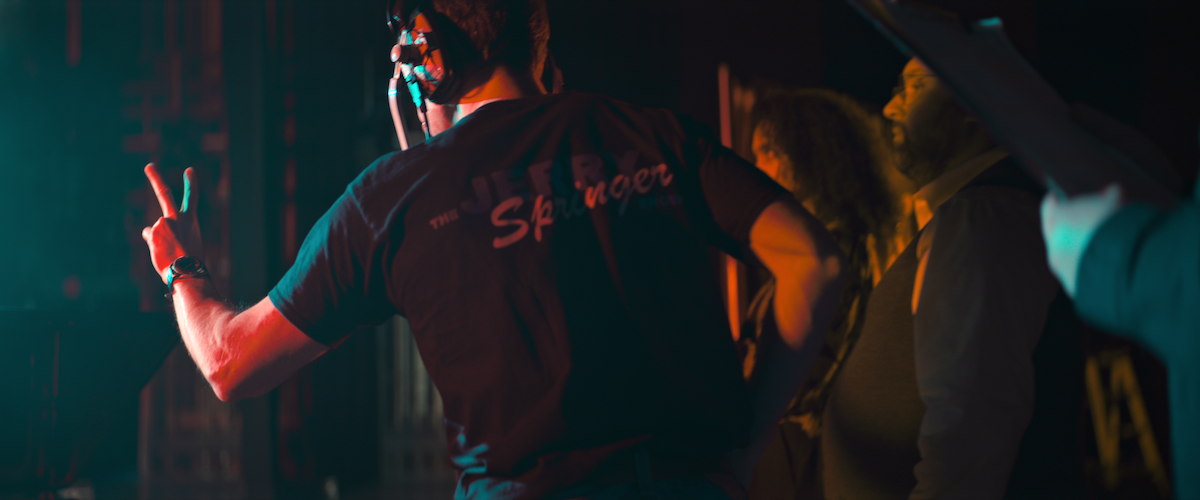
{"x": 735, "y": 190}
{"x": 337, "y": 281}
{"x": 1140, "y": 276}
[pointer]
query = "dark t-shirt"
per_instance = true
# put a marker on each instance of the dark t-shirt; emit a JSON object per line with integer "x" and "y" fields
{"x": 551, "y": 255}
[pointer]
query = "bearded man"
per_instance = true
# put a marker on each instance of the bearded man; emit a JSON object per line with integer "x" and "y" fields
{"x": 966, "y": 381}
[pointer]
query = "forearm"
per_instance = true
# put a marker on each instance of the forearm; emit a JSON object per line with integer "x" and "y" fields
{"x": 240, "y": 354}
{"x": 1138, "y": 276}
{"x": 778, "y": 373}
{"x": 803, "y": 304}
{"x": 808, "y": 269}
{"x": 204, "y": 323}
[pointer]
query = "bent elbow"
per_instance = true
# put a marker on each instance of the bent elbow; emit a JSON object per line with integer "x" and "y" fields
{"x": 225, "y": 386}
{"x": 230, "y": 394}
{"x": 236, "y": 386}
{"x": 223, "y": 395}
{"x": 225, "y": 392}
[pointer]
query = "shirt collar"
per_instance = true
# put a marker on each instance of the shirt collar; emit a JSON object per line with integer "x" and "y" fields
{"x": 927, "y": 200}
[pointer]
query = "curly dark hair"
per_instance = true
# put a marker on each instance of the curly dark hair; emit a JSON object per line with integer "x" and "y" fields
{"x": 836, "y": 151}
{"x": 510, "y": 32}
{"x": 837, "y": 156}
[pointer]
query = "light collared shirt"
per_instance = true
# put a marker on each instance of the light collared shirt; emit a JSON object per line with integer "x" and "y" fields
{"x": 980, "y": 300}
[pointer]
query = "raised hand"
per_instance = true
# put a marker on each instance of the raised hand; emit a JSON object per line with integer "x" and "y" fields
{"x": 1068, "y": 226}
{"x": 177, "y": 232}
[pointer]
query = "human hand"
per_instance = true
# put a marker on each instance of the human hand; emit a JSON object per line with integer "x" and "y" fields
{"x": 177, "y": 232}
{"x": 1068, "y": 226}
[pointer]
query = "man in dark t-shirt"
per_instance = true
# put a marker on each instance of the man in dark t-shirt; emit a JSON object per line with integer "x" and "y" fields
{"x": 551, "y": 253}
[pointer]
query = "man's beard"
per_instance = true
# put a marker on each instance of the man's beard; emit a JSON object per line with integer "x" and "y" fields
{"x": 919, "y": 158}
{"x": 925, "y": 153}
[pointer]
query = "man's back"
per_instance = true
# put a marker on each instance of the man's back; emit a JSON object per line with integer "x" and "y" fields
{"x": 552, "y": 256}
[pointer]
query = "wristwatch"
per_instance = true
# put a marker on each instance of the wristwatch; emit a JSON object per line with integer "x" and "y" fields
{"x": 184, "y": 268}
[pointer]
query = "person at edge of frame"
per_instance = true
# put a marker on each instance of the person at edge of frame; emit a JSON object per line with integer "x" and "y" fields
{"x": 1131, "y": 268}
{"x": 552, "y": 256}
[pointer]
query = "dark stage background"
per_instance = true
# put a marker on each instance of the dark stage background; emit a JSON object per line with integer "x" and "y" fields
{"x": 280, "y": 103}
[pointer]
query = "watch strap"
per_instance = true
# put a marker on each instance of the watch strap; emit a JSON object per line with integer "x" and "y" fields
{"x": 174, "y": 274}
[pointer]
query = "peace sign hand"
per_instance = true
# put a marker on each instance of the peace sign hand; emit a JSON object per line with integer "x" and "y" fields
{"x": 177, "y": 232}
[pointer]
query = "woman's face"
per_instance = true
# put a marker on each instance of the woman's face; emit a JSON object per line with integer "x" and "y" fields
{"x": 775, "y": 164}
{"x": 768, "y": 158}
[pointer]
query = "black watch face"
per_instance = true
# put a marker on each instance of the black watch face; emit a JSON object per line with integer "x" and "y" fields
{"x": 186, "y": 264}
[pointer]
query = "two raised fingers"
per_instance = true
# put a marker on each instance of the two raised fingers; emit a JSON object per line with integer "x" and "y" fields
{"x": 166, "y": 200}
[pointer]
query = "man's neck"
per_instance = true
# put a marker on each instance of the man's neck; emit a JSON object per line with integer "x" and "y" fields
{"x": 972, "y": 148}
{"x": 502, "y": 84}
{"x": 965, "y": 154}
